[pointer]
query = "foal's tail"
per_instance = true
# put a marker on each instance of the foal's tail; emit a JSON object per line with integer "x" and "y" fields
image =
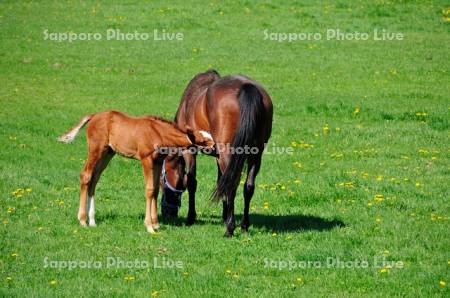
{"x": 251, "y": 114}
{"x": 70, "y": 135}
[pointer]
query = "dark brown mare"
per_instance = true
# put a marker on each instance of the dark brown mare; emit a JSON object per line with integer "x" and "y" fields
{"x": 237, "y": 112}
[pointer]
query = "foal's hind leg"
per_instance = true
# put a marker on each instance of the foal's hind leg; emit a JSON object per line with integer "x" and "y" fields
{"x": 95, "y": 153}
{"x": 254, "y": 164}
{"x": 100, "y": 166}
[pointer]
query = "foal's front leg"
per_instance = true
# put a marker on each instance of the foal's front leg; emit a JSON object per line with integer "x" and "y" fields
{"x": 151, "y": 193}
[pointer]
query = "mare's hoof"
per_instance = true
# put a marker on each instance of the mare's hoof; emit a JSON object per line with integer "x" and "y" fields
{"x": 190, "y": 220}
{"x": 228, "y": 234}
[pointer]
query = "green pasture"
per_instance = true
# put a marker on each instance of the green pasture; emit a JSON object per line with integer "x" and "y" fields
{"x": 367, "y": 182}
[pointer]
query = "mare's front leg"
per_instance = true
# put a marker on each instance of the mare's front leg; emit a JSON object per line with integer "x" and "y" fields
{"x": 151, "y": 192}
{"x": 191, "y": 186}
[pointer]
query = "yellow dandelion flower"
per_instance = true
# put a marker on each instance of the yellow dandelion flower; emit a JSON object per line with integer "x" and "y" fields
{"x": 378, "y": 219}
{"x": 274, "y": 234}
{"x": 378, "y": 198}
{"x": 14, "y": 254}
{"x": 297, "y": 164}
{"x": 185, "y": 273}
{"x": 53, "y": 282}
{"x": 155, "y": 293}
{"x": 442, "y": 283}
{"x": 228, "y": 271}
{"x": 383, "y": 270}
{"x": 357, "y": 110}
{"x": 8, "y": 278}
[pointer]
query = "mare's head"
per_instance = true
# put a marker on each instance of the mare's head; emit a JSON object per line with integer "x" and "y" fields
{"x": 173, "y": 181}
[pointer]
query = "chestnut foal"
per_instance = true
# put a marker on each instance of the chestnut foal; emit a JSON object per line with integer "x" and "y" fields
{"x": 140, "y": 138}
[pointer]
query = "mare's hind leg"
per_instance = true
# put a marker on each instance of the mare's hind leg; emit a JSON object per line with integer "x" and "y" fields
{"x": 224, "y": 203}
{"x": 254, "y": 163}
{"x": 95, "y": 153}
{"x": 100, "y": 166}
{"x": 228, "y": 204}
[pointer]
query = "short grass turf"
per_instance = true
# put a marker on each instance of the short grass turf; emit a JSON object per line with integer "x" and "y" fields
{"x": 368, "y": 177}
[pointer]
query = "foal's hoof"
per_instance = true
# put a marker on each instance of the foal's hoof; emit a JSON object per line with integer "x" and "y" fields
{"x": 150, "y": 230}
{"x": 156, "y": 227}
{"x": 83, "y": 224}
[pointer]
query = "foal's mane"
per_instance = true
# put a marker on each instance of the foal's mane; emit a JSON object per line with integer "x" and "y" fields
{"x": 157, "y": 118}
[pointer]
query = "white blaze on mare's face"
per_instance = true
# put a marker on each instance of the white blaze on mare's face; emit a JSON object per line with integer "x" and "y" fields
{"x": 91, "y": 211}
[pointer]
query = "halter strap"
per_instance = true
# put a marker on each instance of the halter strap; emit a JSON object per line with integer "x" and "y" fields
{"x": 166, "y": 182}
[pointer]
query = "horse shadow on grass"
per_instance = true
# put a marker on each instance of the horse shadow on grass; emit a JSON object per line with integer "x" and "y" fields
{"x": 275, "y": 223}
{"x": 294, "y": 223}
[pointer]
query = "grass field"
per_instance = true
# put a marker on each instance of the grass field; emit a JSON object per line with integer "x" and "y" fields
{"x": 368, "y": 121}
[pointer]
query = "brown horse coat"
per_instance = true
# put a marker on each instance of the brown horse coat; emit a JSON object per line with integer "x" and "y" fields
{"x": 237, "y": 112}
{"x": 140, "y": 138}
